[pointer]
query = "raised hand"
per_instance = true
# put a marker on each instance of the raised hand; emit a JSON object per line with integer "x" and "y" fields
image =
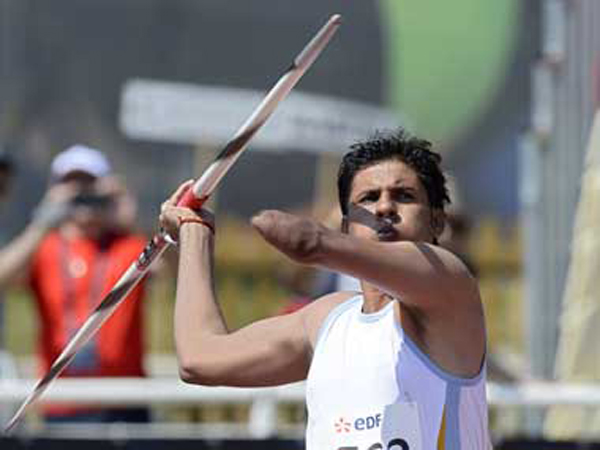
{"x": 172, "y": 216}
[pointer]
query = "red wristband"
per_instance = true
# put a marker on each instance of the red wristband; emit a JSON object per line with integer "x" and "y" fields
{"x": 183, "y": 220}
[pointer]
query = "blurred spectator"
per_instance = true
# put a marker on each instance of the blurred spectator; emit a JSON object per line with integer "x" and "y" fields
{"x": 51, "y": 211}
{"x": 15, "y": 256}
{"x": 75, "y": 266}
{"x": 6, "y": 173}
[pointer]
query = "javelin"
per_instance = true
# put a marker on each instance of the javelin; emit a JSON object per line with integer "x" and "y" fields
{"x": 194, "y": 198}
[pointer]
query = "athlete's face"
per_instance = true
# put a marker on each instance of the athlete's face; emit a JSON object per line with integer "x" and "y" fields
{"x": 389, "y": 203}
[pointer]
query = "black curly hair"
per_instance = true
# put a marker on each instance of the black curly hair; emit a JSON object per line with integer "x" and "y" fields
{"x": 414, "y": 152}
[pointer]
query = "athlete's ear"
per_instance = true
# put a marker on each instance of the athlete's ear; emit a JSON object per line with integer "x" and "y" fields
{"x": 344, "y": 224}
{"x": 438, "y": 221}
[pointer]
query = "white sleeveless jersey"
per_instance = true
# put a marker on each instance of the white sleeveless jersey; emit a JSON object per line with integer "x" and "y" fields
{"x": 370, "y": 387}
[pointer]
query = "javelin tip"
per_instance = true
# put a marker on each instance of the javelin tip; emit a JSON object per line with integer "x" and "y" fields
{"x": 336, "y": 19}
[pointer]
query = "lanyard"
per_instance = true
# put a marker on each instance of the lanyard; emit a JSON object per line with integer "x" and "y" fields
{"x": 72, "y": 267}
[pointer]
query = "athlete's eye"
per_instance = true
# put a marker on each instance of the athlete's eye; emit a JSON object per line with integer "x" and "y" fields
{"x": 404, "y": 195}
{"x": 369, "y": 197}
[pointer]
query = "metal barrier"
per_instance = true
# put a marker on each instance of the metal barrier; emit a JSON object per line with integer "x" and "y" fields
{"x": 262, "y": 422}
{"x": 163, "y": 391}
{"x": 168, "y": 390}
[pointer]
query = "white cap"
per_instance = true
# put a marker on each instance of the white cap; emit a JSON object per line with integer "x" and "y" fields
{"x": 79, "y": 158}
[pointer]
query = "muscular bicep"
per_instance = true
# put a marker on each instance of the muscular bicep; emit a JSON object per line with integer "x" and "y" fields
{"x": 266, "y": 353}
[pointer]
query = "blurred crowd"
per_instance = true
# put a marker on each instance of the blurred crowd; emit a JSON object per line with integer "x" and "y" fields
{"x": 79, "y": 241}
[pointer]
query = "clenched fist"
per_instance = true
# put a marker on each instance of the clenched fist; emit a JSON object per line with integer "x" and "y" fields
{"x": 172, "y": 217}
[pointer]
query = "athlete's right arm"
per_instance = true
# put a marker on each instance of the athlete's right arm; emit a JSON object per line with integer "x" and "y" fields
{"x": 269, "y": 352}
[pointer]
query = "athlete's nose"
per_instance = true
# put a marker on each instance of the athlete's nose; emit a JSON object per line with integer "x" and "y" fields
{"x": 386, "y": 206}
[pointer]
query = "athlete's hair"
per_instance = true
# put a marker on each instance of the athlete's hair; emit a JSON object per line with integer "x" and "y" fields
{"x": 399, "y": 145}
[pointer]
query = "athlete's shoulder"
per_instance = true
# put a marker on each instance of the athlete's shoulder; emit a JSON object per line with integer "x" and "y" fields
{"x": 316, "y": 313}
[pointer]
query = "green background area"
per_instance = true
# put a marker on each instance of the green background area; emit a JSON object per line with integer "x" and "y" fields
{"x": 447, "y": 60}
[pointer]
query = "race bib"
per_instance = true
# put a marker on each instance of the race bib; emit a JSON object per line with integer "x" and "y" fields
{"x": 395, "y": 427}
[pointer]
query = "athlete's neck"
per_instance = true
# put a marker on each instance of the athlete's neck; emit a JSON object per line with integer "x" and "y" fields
{"x": 374, "y": 299}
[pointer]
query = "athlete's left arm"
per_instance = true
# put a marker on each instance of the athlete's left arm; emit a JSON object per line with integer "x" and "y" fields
{"x": 420, "y": 274}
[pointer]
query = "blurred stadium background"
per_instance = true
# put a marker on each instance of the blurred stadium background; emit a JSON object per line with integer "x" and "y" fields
{"x": 506, "y": 90}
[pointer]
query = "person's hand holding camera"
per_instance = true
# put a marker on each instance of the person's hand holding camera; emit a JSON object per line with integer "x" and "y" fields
{"x": 56, "y": 205}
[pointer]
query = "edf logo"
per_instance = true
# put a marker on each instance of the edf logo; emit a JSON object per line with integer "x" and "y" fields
{"x": 367, "y": 423}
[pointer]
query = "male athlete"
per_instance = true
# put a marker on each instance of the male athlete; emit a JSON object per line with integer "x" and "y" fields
{"x": 400, "y": 365}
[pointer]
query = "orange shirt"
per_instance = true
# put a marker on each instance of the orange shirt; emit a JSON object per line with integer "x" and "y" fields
{"x": 69, "y": 279}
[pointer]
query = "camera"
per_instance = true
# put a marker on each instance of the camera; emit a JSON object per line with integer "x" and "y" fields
{"x": 92, "y": 200}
